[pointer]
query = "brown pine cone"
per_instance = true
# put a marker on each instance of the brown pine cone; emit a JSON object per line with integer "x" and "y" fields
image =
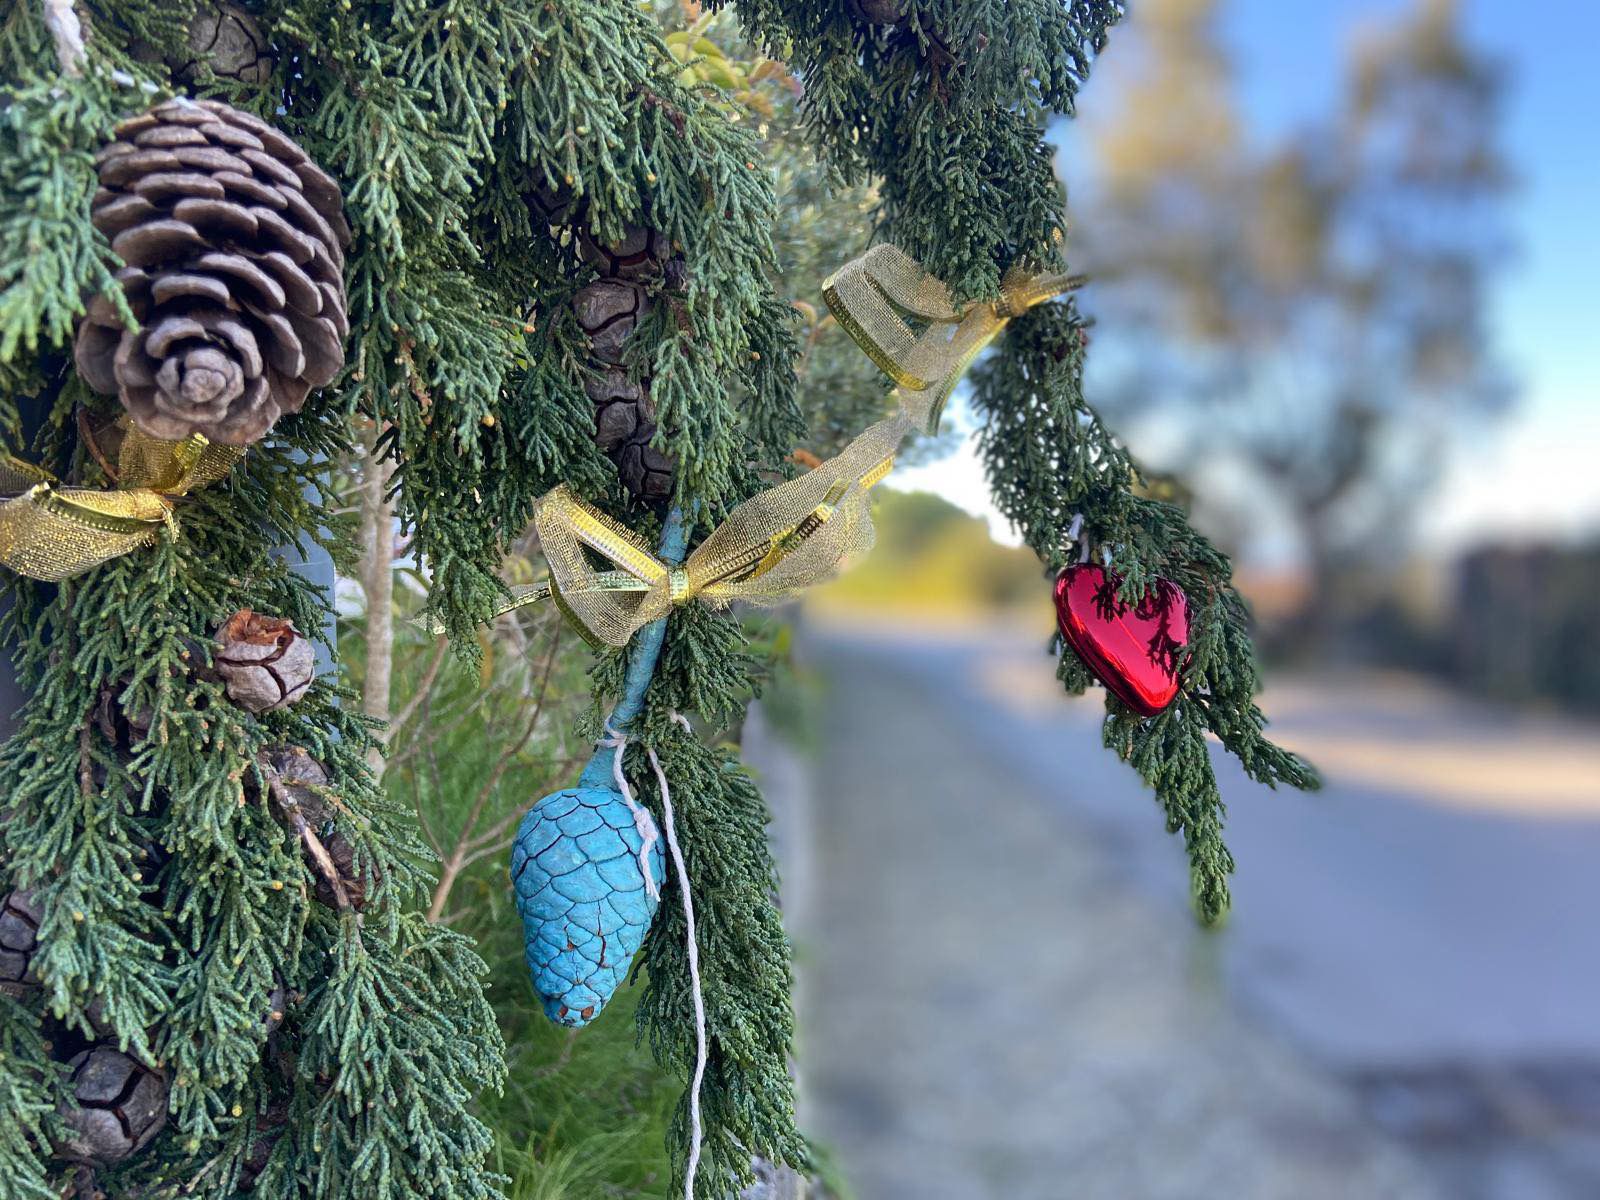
{"x": 641, "y": 253}
{"x": 228, "y": 41}
{"x": 117, "y": 1104}
{"x": 269, "y": 1128}
{"x": 264, "y": 662}
{"x": 299, "y": 805}
{"x": 233, "y": 241}
{"x": 644, "y": 470}
{"x": 19, "y": 938}
{"x": 609, "y": 310}
{"x": 620, "y": 404}
{"x": 878, "y": 12}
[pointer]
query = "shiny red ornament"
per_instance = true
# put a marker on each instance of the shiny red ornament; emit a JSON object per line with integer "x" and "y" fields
{"x": 1134, "y": 651}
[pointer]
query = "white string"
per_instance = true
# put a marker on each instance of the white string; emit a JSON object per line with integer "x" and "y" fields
{"x": 701, "y": 1050}
{"x": 642, "y": 821}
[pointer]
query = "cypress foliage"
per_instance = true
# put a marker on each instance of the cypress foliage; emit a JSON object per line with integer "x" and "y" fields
{"x": 307, "y": 1051}
{"x": 946, "y": 106}
{"x": 472, "y": 138}
{"x": 449, "y": 126}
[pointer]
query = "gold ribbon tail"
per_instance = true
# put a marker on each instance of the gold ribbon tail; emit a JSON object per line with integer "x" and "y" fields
{"x": 904, "y": 319}
{"x": 52, "y": 532}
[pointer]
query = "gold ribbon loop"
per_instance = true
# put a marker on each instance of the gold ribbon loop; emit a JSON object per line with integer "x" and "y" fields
{"x": 801, "y": 532}
{"x": 906, "y": 322}
{"x": 770, "y": 547}
{"x": 51, "y": 532}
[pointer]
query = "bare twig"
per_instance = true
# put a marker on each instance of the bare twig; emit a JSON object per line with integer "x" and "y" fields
{"x": 429, "y": 677}
{"x": 86, "y": 763}
{"x": 377, "y": 585}
{"x": 461, "y": 854}
{"x": 61, "y": 19}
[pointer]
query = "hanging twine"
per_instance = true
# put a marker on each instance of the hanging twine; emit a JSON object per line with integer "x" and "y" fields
{"x": 702, "y": 1054}
{"x": 642, "y": 821}
{"x": 646, "y": 826}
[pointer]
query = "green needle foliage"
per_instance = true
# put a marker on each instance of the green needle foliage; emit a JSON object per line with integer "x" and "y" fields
{"x": 946, "y": 108}
{"x": 476, "y": 141}
{"x": 178, "y": 911}
{"x": 450, "y": 126}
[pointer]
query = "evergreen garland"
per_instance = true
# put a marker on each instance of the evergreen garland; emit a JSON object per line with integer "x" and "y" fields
{"x": 947, "y": 106}
{"x": 171, "y": 895}
{"x": 446, "y": 124}
{"x": 177, "y": 909}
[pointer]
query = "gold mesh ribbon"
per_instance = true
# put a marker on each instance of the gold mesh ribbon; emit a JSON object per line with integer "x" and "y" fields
{"x": 52, "y": 532}
{"x": 905, "y": 321}
{"x": 801, "y": 532}
{"x": 770, "y": 547}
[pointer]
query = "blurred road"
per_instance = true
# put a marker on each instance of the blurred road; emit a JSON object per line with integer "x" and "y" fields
{"x": 1005, "y": 995}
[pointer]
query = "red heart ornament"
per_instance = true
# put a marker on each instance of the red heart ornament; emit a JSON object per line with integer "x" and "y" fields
{"x": 1135, "y": 652}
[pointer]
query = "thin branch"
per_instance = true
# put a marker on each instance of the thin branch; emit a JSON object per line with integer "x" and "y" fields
{"x": 61, "y": 19}
{"x": 377, "y": 586}
{"x": 458, "y": 858}
{"x": 441, "y": 646}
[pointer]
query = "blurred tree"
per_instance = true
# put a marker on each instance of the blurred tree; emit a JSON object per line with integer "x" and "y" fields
{"x": 1317, "y": 310}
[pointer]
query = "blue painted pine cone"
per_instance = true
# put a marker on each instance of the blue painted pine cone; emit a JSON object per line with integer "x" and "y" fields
{"x": 582, "y": 897}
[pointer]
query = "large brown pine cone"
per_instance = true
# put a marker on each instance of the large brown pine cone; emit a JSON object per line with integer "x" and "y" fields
{"x": 117, "y": 1105}
{"x": 609, "y": 310}
{"x": 233, "y": 241}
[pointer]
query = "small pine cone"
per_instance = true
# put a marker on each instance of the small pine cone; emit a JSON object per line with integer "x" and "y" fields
{"x": 878, "y": 12}
{"x": 117, "y": 1105}
{"x": 233, "y": 241}
{"x": 609, "y": 310}
{"x": 620, "y": 404}
{"x": 228, "y": 40}
{"x": 642, "y": 253}
{"x": 19, "y": 938}
{"x": 299, "y": 776}
{"x": 264, "y": 661}
{"x": 549, "y": 206}
{"x": 644, "y": 470}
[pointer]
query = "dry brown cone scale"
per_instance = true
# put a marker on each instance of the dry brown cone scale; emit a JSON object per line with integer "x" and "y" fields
{"x": 233, "y": 241}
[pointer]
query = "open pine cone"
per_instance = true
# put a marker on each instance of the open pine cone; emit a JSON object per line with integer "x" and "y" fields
{"x": 233, "y": 241}
{"x": 265, "y": 662}
{"x": 299, "y": 804}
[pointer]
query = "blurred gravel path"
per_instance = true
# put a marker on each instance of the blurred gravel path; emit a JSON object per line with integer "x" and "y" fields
{"x": 990, "y": 1011}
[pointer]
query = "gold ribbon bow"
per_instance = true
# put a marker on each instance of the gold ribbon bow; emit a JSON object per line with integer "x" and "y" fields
{"x": 769, "y": 548}
{"x": 905, "y": 320}
{"x": 52, "y": 532}
{"x": 801, "y": 532}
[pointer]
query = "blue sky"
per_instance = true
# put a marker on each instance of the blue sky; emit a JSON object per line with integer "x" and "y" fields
{"x": 1538, "y": 470}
